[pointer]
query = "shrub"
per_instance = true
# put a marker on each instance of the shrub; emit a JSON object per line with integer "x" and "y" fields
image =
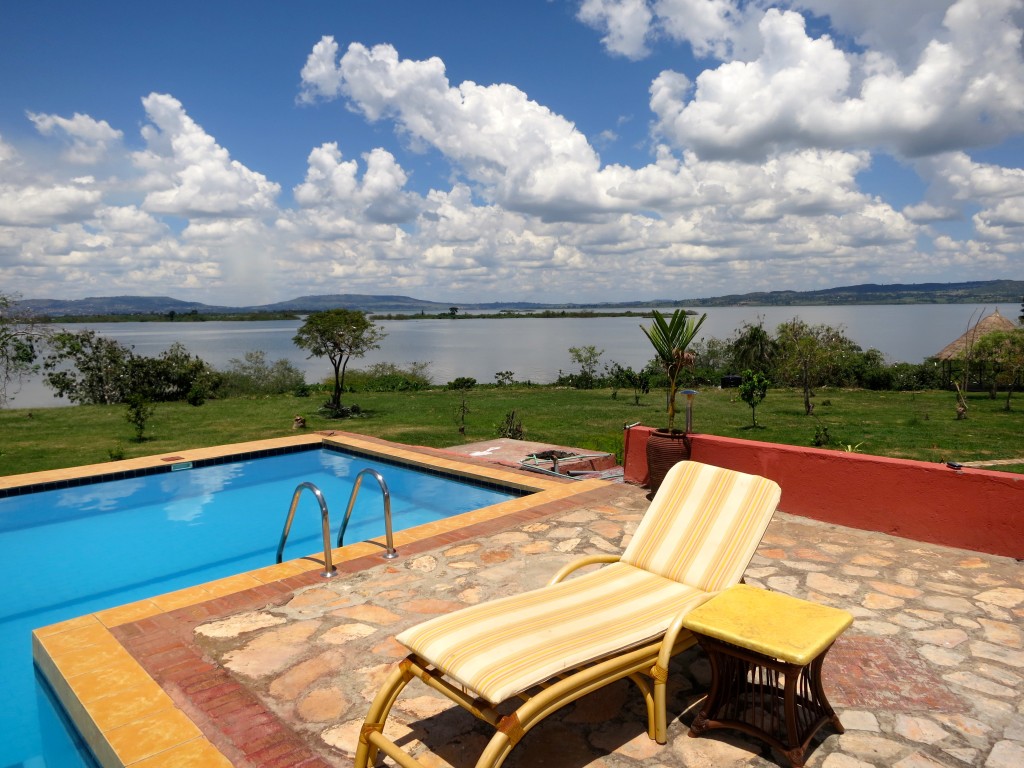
{"x": 388, "y": 377}
{"x": 511, "y": 427}
{"x": 139, "y": 412}
{"x": 253, "y": 375}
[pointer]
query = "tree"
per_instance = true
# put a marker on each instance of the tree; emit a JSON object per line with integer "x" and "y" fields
{"x": 89, "y": 369}
{"x": 640, "y": 382}
{"x": 1005, "y": 350}
{"x": 338, "y": 335}
{"x": 809, "y": 356}
{"x": 19, "y": 336}
{"x": 586, "y": 358}
{"x": 752, "y": 348}
{"x": 140, "y": 410}
{"x": 670, "y": 339}
{"x": 753, "y": 390}
{"x": 253, "y": 375}
{"x": 175, "y": 375}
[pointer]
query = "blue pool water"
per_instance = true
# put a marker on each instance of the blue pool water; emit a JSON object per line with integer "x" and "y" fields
{"x": 68, "y": 552}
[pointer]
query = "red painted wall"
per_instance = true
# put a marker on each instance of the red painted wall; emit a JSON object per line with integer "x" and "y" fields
{"x": 969, "y": 508}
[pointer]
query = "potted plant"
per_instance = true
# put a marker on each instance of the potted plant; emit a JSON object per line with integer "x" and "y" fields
{"x": 670, "y": 338}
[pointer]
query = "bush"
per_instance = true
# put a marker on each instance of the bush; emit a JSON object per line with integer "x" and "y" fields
{"x": 254, "y": 376}
{"x": 511, "y": 427}
{"x": 388, "y": 377}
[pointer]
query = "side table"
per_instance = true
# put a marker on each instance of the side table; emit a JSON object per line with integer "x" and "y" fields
{"x": 766, "y": 651}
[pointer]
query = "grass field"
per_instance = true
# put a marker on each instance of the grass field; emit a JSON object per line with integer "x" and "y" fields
{"x": 915, "y": 425}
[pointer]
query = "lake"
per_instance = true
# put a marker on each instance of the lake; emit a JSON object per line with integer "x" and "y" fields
{"x": 534, "y": 349}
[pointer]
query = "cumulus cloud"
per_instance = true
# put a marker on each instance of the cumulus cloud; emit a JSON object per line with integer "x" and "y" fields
{"x": 755, "y": 177}
{"x": 899, "y": 30}
{"x": 186, "y": 173}
{"x": 966, "y": 89}
{"x": 625, "y": 24}
{"x": 333, "y": 183}
{"x": 89, "y": 140}
{"x": 35, "y": 204}
{"x": 320, "y": 77}
{"x": 724, "y": 29}
{"x": 923, "y": 213}
{"x": 517, "y": 151}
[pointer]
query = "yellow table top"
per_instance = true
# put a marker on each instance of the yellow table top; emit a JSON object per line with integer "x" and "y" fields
{"x": 769, "y": 623}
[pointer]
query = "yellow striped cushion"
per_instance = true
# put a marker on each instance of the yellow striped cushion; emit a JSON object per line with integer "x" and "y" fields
{"x": 499, "y": 648}
{"x": 703, "y": 526}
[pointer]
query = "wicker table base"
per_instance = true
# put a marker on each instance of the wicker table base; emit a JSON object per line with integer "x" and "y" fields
{"x": 783, "y": 704}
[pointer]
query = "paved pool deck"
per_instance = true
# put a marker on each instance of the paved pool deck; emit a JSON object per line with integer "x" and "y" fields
{"x": 277, "y": 667}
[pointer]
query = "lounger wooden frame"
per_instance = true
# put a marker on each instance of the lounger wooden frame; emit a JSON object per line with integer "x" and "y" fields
{"x": 648, "y": 662}
{"x": 548, "y": 647}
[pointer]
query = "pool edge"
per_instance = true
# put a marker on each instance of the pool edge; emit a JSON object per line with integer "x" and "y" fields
{"x": 130, "y": 720}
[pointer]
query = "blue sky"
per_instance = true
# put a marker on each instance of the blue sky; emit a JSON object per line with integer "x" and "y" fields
{"x": 583, "y": 150}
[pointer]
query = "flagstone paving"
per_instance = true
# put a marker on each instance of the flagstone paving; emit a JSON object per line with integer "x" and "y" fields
{"x": 930, "y": 674}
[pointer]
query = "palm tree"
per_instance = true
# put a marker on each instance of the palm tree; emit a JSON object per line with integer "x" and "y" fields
{"x": 670, "y": 338}
{"x": 753, "y": 348}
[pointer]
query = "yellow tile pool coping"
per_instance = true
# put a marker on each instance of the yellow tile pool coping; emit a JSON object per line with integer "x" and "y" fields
{"x": 124, "y": 715}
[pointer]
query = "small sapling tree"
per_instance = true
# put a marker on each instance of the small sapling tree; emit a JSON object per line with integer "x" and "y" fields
{"x": 753, "y": 389}
{"x": 462, "y": 385}
{"x": 587, "y": 359}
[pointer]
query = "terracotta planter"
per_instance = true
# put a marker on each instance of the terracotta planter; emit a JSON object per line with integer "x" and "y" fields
{"x": 664, "y": 450}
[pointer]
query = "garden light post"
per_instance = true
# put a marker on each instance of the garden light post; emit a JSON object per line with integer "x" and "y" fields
{"x": 690, "y": 394}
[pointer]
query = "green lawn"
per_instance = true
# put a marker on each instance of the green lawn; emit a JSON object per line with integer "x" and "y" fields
{"x": 918, "y": 425}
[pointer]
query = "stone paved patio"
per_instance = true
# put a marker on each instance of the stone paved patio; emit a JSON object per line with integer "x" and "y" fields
{"x": 929, "y": 674}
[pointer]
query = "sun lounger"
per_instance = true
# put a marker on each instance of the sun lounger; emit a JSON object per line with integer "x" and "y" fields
{"x": 548, "y": 647}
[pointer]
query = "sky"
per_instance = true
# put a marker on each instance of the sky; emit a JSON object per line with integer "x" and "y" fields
{"x": 579, "y": 151}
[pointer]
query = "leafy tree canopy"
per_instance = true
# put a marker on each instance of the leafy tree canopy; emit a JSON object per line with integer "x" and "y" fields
{"x": 338, "y": 335}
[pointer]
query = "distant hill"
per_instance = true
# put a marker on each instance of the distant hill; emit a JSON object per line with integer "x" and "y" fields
{"x": 983, "y": 292}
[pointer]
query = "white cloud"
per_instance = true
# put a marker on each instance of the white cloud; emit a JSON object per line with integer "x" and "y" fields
{"x": 625, "y": 24}
{"x": 518, "y": 152}
{"x": 755, "y": 179}
{"x": 332, "y": 182}
{"x": 711, "y": 27}
{"x": 748, "y": 109}
{"x": 966, "y": 89}
{"x": 38, "y": 205}
{"x": 320, "y": 77}
{"x": 89, "y": 140}
{"x": 899, "y": 30}
{"x": 186, "y": 173}
{"x": 924, "y": 213}
{"x": 7, "y": 153}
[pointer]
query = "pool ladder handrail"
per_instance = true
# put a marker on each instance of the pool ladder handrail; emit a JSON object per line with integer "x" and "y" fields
{"x": 390, "y": 553}
{"x": 325, "y": 523}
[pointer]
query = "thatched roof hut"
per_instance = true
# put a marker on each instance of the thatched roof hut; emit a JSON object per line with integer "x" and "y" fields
{"x": 955, "y": 350}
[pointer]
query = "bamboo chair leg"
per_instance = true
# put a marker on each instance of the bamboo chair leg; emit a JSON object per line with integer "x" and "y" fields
{"x": 366, "y": 752}
{"x": 645, "y": 689}
{"x": 496, "y": 751}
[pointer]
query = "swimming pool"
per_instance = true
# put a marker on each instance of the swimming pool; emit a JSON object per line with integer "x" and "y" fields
{"x": 65, "y": 552}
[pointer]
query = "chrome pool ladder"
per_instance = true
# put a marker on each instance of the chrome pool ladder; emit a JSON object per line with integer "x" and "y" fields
{"x": 389, "y": 553}
{"x": 325, "y": 524}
